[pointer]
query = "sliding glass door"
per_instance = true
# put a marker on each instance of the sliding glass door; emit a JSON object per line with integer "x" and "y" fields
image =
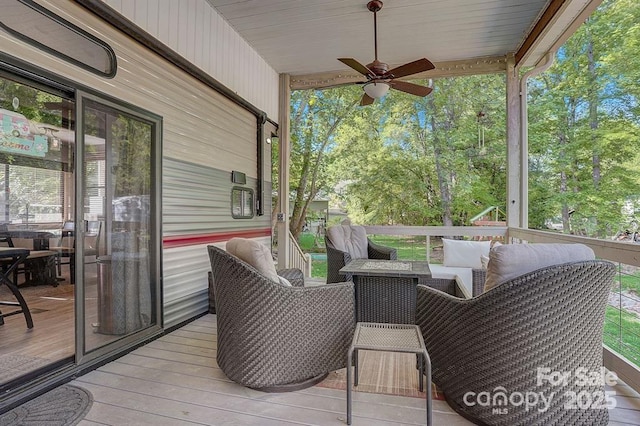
{"x": 118, "y": 252}
{"x": 80, "y": 188}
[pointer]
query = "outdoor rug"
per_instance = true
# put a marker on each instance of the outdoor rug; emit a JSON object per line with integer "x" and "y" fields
{"x": 65, "y": 405}
{"x": 388, "y": 373}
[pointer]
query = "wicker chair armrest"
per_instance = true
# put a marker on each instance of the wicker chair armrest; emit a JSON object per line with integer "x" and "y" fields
{"x": 336, "y": 259}
{"x": 432, "y": 302}
{"x": 332, "y": 302}
{"x": 376, "y": 251}
{"x": 479, "y": 277}
{"x": 294, "y": 275}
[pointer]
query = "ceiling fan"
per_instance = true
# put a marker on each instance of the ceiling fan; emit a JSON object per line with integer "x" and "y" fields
{"x": 379, "y": 77}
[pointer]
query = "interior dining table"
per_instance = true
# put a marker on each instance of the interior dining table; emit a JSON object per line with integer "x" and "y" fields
{"x": 41, "y": 262}
{"x": 40, "y": 238}
{"x": 14, "y": 256}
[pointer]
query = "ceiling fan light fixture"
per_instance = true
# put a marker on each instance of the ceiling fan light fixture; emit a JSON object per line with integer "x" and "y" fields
{"x": 376, "y": 89}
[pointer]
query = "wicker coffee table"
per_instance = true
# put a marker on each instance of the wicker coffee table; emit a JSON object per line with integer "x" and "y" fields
{"x": 386, "y": 289}
{"x": 392, "y": 338}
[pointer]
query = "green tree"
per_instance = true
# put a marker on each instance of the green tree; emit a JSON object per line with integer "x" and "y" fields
{"x": 426, "y": 161}
{"x": 580, "y": 131}
{"x": 316, "y": 116}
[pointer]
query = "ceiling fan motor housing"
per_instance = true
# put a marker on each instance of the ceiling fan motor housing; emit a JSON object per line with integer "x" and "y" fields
{"x": 374, "y": 5}
{"x": 379, "y": 68}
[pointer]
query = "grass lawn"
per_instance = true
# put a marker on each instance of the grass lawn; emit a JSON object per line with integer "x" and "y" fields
{"x": 630, "y": 282}
{"x": 408, "y": 247}
{"x": 319, "y": 268}
{"x": 622, "y": 333}
{"x": 308, "y": 243}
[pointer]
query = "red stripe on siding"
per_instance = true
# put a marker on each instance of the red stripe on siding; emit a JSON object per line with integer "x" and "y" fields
{"x": 192, "y": 240}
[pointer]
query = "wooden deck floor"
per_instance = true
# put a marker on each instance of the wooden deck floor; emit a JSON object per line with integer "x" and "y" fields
{"x": 175, "y": 381}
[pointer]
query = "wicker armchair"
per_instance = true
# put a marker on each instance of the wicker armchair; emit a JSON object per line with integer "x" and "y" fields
{"x": 337, "y": 258}
{"x": 550, "y": 318}
{"x": 277, "y": 338}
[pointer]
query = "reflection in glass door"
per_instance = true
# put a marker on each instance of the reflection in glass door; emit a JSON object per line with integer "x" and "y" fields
{"x": 36, "y": 197}
{"x": 118, "y": 250}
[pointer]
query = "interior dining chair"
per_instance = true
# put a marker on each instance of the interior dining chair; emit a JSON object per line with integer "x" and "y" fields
{"x": 6, "y": 241}
{"x": 92, "y": 237}
{"x": 66, "y": 248}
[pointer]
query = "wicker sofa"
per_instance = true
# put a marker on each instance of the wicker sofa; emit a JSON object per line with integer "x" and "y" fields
{"x": 275, "y": 337}
{"x": 494, "y": 344}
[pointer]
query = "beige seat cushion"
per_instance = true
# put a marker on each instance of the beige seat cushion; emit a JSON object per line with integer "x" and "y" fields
{"x": 512, "y": 260}
{"x": 351, "y": 239}
{"x": 255, "y": 254}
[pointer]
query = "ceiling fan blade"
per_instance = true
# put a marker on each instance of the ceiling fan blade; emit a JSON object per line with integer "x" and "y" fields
{"x": 366, "y": 100}
{"x": 356, "y": 66}
{"x": 413, "y": 89}
{"x": 411, "y": 68}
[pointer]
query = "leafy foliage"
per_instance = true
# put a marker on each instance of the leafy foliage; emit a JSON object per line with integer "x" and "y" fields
{"x": 440, "y": 160}
{"x": 584, "y": 128}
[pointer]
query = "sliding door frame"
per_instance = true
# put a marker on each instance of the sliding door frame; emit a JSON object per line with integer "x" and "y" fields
{"x": 82, "y": 355}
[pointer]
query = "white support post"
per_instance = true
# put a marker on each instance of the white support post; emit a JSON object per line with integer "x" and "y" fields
{"x": 284, "y": 117}
{"x": 514, "y": 155}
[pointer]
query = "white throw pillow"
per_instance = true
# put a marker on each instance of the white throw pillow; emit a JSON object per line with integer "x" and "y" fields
{"x": 509, "y": 261}
{"x": 464, "y": 254}
{"x": 255, "y": 254}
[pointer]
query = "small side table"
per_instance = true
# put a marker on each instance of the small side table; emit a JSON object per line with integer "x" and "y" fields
{"x": 392, "y": 338}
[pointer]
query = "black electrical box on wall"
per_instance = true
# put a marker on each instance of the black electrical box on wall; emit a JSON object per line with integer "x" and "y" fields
{"x": 238, "y": 177}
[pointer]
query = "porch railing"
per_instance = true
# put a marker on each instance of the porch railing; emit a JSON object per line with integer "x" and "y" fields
{"x": 298, "y": 258}
{"x": 474, "y": 232}
{"x": 621, "y": 326}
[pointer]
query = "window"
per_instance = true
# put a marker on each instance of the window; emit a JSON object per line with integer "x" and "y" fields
{"x": 44, "y": 29}
{"x": 241, "y": 203}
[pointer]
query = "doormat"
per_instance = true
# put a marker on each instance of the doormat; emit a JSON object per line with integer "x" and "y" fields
{"x": 387, "y": 373}
{"x": 12, "y": 366}
{"x": 65, "y": 405}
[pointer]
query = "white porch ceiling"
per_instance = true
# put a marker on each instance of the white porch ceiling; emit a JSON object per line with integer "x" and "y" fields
{"x": 304, "y": 37}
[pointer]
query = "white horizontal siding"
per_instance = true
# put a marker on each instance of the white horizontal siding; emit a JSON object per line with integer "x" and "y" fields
{"x": 205, "y": 137}
{"x": 200, "y": 125}
{"x": 193, "y": 29}
{"x": 196, "y": 201}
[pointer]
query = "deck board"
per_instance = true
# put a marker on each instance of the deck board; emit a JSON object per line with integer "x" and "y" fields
{"x": 175, "y": 379}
